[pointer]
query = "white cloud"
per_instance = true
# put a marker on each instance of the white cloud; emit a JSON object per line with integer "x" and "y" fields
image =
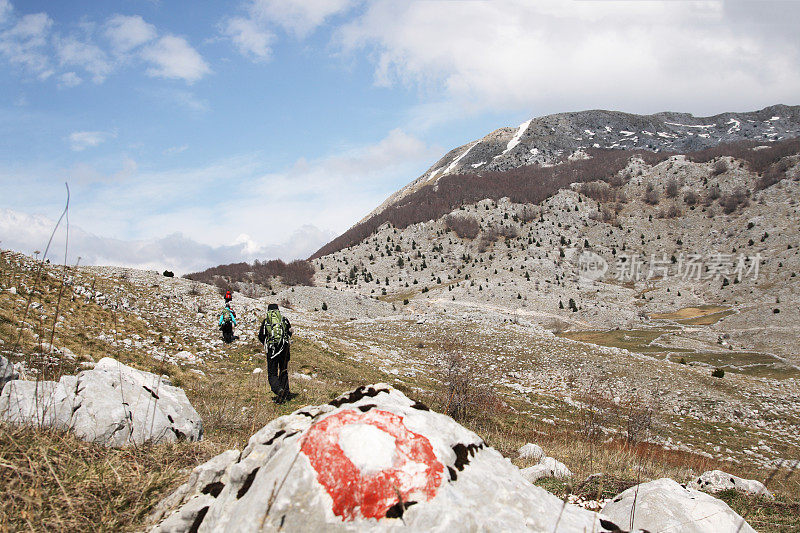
{"x": 172, "y": 150}
{"x": 253, "y": 35}
{"x": 81, "y": 140}
{"x": 24, "y": 44}
{"x": 69, "y": 79}
{"x": 177, "y": 252}
{"x": 128, "y": 32}
{"x": 5, "y": 10}
{"x": 32, "y": 44}
{"x": 231, "y": 197}
{"x": 183, "y": 98}
{"x": 74, "y": 53}
{"x": 173, "y": 57}
{"x": 301, "y": 18}
{"x": 249, "y": 38}
{"x": 550, "y": 54}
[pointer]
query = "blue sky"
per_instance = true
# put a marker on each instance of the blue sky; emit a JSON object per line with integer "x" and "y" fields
{"x": 196, "y": 133}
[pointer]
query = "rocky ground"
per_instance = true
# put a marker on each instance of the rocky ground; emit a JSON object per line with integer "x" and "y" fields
{"x": 526, "y": 381}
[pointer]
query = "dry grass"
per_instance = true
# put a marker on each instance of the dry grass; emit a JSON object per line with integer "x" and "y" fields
{"x": 53, "y": 481}
{"x": 689, "y": 312}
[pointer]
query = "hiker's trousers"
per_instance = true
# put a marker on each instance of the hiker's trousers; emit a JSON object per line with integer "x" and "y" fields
{"x": 227, "y": 332}
{"x": 278, "y": 373}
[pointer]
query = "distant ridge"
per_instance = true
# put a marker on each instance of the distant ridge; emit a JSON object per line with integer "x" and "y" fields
{"x": 553, "y": 150}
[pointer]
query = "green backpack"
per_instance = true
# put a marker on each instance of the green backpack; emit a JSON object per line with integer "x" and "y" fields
{"x": 227, "y": 316}
{"x": 275, "y": 330}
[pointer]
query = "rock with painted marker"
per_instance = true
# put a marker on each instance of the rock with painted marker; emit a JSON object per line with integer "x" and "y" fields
{"x": 371, "y": 459}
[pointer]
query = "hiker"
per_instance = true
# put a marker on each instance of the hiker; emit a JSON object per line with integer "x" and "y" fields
{"x": 275, "y": 334}
{"x": 228, "y": 296}
{"x": 227, "y": 321}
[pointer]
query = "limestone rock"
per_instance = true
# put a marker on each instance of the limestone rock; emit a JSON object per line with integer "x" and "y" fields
{"x": 664, "y": 505}
{"x": 7, "y": 371}
{"x": 111, "y": 404}
{"x": 531, "y": 451}
{"x": 186, "y": 356}
{"x": 547, "y": 467}
{"x": 373, "y": 460}
{"x": 717, "y": 480}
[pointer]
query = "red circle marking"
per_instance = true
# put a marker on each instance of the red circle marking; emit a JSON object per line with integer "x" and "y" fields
{"x": 415, "y": 474}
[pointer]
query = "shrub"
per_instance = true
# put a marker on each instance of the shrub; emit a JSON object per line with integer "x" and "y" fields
{"x": 494, "y": 233}
{"x": 720, "y": 167}
{"x": 528, "y": 213}
{"x": 465, "y": 227}
{"x": 651, "y": 195}
{"x": 673, "y": 211}
{"x": 465, "y": 391}
{"x": 691, "y": 198}
{"x": 775, "y": 173}
{"x": 672, "y": 188}
{"x": 713, "y": 193}
{"x": 169, "y": 274}
{"x": 598, "y": 190}
{"x": 730, "y": 202}
{"x": 299, "y": 272}
{"x": 718, "y": 373}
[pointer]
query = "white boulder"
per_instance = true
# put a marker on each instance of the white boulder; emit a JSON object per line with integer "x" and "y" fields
{"x": 373, "y": 460}
{"x": 7, "y": 371}
{"x": 111, "y": 404}
{"x": 664, "y": 505}
{"x": 547, "y": 467}
{"x": 531, "y": 451}
{"x": 186, "y": 356}
{"x": 717, "y": 480}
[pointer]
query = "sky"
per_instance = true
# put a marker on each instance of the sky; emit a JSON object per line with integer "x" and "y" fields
{"x": 192, "y": 134}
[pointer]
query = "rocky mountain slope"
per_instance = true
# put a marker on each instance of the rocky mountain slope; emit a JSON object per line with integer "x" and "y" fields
{"x": 551, "y": 139}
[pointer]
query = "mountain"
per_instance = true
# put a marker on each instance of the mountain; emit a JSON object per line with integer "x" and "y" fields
{"x": 551, "y": 140}
{"x": 707, "y": 237}
{"x": 617, "y": 306}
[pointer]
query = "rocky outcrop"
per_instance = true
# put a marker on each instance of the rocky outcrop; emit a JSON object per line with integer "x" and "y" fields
{"x": 664, "y": 505}
{"x": 547, "y": 467}
{"x": 371, "y": 459}
{"x": 544, "y": 467}
{"x": 717, "y": 480}
{"x": 112, "y": 404}
{"x": 531, "y": 451}
{"x": 7, "y": 371}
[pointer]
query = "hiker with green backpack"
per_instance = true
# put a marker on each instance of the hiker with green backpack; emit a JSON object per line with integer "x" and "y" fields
{"x": 227, "y": 321}
{"x": 275, "y": 334}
